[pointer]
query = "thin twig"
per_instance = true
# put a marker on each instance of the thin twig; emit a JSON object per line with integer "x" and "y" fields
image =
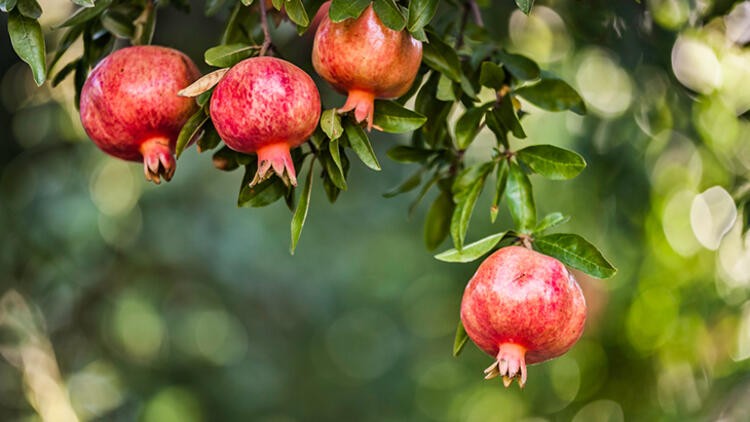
{"x": 462, "y": 27}
{"x": 266, "y": 33}
{"x": 476, "y": 14}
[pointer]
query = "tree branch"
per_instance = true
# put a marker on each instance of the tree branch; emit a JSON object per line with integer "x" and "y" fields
{"x": 264, "y": 24}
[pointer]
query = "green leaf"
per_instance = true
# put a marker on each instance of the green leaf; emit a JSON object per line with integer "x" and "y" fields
{"x": 549, "y": 221}
{"x": 213, "y": 6}
{"x": 420, "y": 35}
{"x": 333, "y": 149}
{"x": 229, "y": 55}
{"x": 296, "y": 12}
{"x": 330, "y": 122}
{"x": 520, "y": 66}
{"x": 520, "y": 199}
{"x": 7, "y": 5}
{"x": 392, "y": 117}
{"x": 118, "y": 24}
{"x": 446, "y": 89}
{"x": 190, "y": 131}
{"x": 210, "y": 138}
{"x": 262, "y": 194}
{"x": 145, "y": 25}
{"x": 85, "y": 14}
{"x": 553, "y": 95}
{"x": 84, "y": 3}
{"x": 345, "y": 9}
{"x": 552, "y": 162}
{"x": 469, "y": 125}
{"x": 468, "y": 176}
{"x": 28, "y": 42}
{"x": 460, "y": 339}
{"x": 407, "y": 185}
{"x": 361, "y": 145}
{"x": 300, "y": 214}
{"x": 64, "y": 72}
{"x": 442, "y": 57}
{"x": 492, "y": 76}
{"x": 390, "y": 14}
{"x": 575, "y": 252}
{"x": 506, "y": 114}
{"x": 29, "y": 8}
{"x": 472, "y": 251}
{"x": 421, "y": 13}
{"x": 333, "y": 169}
{"x": 500, "y": 183}
{"x": 465, "y": 201}
{"x": 404, "y": 154}
{"x": 492, "y": 119}
{"x": 438, "y": 220}
{"x": 525, "y": 5}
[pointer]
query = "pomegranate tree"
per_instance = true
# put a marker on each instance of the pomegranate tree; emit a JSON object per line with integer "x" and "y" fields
{"x": 266, "y": 106}
{"x": 522, "y": 307}
{"x": 366, "y": 60}
{"x": 130, "y": 107}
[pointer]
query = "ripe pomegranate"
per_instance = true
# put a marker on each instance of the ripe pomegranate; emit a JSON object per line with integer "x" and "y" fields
{"x": 130, "y": 107}
{"x": 522, "y": 307}
{"x": 366, "y": 59}
{"x": 266, "y": 105}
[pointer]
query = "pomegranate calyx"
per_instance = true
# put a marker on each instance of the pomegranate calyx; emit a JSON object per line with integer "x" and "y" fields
{"x": 509, "y": 364}
{"x": 363, "y": 104}
{"x": 275, "y": 157}
{"x": 158, "y": 160}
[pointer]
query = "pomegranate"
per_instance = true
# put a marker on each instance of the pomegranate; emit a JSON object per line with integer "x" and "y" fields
{"x": 266, "y": 106}
{"x": 522, "y": 307}
{"x": 130, "y": 107}
{"x": 365, "y": 59}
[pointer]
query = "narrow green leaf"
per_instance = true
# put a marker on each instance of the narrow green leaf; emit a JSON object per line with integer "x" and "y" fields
{"x": 229, "y": 55}
{"x": 390, "y": 14}
{"x": 466, "y": 201}
{"x": 520, "y": 199}
{"x": 68, "y": 38}
{"x": 469, "y": 125}
{"x": 446, "y": 89}
{"x": 460, "y": 339}
{"x": 492, "y": 119}
{"x": 421, "y": 13}
{"x": 553, "y": 95}
{"x": 520, "y": 66}
{"x": 64, "y": 72}
{"x": 407, "y": 185}
{"x": 296, "y": 12}
{"x": 441, "y": 57}
{"x": 277, "y": 4}
{"x": 333, "y": 149}
{"x": 438, "y": 220}
{"x": 118, "y": 24}
{"x": 85, "y": 14}
{"x": 552, "y": 162}
{"x": 576, "y": 252}
{"x": 525, "y": 5}
{"x": 335, "y": 173}
{"x": 190, "y": 131}
{"x": 29, "y": 8}
{"x": 213, "y": 6}
{"x": 469, "y": 176}
{"x": 84, "y": 3}
{"x": 472, "y": 251}
{"x": 392, "y": 117}
{"x": 549, "y": 221}
{"x": 332, "y": 192}
{"x": 330, "y": 122}
{"x": 300, "y": 214}
{"x": 145, "y": 25}
{"x": 361, "y": 145}
{"x": 404, "y": 154}
{"x": 28, "y": 42}
{"x": 420, "y": 35}
{"x": 210, "y": 138}
{"x": 7, "y": 5}
{"x": 492, "y": 76}
{"x": 500, "y": 183}
{"x": 506, "y": 114}
{"x": 345, "y": 9}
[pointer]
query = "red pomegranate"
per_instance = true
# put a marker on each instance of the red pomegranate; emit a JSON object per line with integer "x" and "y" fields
{"x": 130, "y": 107}
{"x": 522, "y": 307}
{"x": 365, "y": 59}
{"x": 267, "y": 106}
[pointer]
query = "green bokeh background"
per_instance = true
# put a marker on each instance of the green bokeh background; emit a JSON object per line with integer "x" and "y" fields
{"x": 168, "y": 303}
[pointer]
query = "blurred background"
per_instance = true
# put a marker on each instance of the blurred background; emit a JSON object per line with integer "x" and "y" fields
{"x": 121, "y": 300}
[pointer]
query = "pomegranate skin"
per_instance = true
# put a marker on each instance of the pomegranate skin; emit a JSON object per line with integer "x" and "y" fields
{"x": 366, "y": 60}
{"x": 130, "y": 107}
{"x": 522, "y": 307}
{"x": 266, "y": 105}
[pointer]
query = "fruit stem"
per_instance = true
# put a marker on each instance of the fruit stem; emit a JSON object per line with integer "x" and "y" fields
{"x": 158, "y": 159}
{"x": 363, "y": 104}
{"x": 264, "y": 25}
{"x": 509, "y": 364}
{"x": 277, "y": 157}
